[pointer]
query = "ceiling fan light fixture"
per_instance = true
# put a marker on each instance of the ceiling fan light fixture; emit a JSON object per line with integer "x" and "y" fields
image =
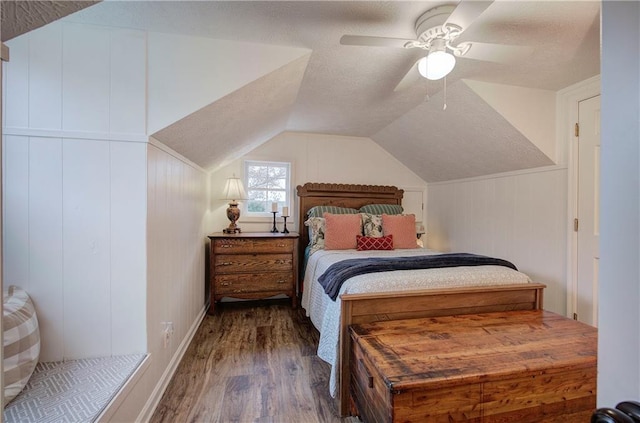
{"x": 436, "y": 65}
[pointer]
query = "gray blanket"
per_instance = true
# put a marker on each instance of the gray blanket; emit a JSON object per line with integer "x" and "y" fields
{"x": 333, "y": 278}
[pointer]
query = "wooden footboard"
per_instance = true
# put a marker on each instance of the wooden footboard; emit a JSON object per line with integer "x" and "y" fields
{"x": 365, "y": 308}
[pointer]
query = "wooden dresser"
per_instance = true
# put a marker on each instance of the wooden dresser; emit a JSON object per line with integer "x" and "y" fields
{"x": 253, "y": 266}
{"x": 518, "y": 366}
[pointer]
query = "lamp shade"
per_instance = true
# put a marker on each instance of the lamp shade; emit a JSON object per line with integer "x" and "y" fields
{"x": 436, "y": 65}
{"x": 234, "y": 190}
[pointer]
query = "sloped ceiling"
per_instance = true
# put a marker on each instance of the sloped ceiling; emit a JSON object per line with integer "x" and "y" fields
{"x": 348, "y": 90}
{"x": 439, "y": 147}
{"x": 238, "y": 122}
{"x": 23, "y": 16}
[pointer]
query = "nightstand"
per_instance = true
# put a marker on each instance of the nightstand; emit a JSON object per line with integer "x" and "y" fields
{"x": 253, "y": 266}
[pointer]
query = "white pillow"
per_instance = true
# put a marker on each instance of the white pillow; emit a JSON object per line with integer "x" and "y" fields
{"x": 21, "y": 341}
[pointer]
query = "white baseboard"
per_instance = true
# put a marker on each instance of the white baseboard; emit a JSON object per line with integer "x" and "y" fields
{"x": 161, "y": 386}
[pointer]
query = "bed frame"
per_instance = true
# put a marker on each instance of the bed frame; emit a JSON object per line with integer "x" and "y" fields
{"x": 373, "y": 307}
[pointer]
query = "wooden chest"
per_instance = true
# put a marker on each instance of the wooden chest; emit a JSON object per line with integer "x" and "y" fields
{"x": 253, "y": 266}
{"x": 517, "y": 366}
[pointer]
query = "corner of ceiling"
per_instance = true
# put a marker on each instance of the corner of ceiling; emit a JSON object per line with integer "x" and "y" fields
{"x": 531, "y": 111}
{"x": 238, "y": 122}
{"x": 467, "y": 139}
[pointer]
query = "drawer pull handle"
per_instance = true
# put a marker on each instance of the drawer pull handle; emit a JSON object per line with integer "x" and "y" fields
{"x": 225, "y": 283}
{"x": 281, "y": 262}
{"x": 282, "y": 245}
{"x": 226, "y": 263}
{"x": 225, "y": 246}
{"x": 367, "y": 374}
{"x": 280, "y": 281}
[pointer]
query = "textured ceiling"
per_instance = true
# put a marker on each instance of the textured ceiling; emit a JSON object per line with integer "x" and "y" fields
{"x": 348, "y": 90}
{"x": 439, "y": 147}
{"x": 23, "y": 16}
{"x": 233, "y": 125}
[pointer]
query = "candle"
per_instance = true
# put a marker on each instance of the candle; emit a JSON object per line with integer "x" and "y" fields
{"x": 274, "y": 207}
{"x": 285, "y": 211}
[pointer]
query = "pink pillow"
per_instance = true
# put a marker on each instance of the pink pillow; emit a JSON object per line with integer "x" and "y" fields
{"x": 403, "y": 229}
{"x": 340, "y": 231}
{"x": 366, "y": 243}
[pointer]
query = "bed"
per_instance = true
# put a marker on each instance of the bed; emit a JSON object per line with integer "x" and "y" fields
{"x": 356, "y": 305}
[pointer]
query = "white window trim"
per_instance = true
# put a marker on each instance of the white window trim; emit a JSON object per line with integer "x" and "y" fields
{"x": 264, "y": 216}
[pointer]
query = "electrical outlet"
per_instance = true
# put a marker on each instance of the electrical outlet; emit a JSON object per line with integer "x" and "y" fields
{"x": 167, "y": 331}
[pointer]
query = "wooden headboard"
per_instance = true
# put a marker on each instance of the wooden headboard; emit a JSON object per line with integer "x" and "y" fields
{"x": 342, "y": 195}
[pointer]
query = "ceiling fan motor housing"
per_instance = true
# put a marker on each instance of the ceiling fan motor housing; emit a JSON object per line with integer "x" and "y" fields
{"x": 429, "y": 25}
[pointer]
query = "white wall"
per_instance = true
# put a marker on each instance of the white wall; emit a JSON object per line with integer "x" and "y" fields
{"x": 104, "y": 230}
{"x": 319, "y": 158}
{"x": 176, "y": 246}
{"x": 75, "y": 210}
{"x": 520, "y": 217}
{"x": 619, "y": 289}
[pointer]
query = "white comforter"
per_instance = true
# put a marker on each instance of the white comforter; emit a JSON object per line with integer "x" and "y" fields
{"x": 325, "y": 313}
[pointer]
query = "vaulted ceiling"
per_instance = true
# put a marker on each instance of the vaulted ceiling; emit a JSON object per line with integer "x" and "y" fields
{"x": 349, "y": 90}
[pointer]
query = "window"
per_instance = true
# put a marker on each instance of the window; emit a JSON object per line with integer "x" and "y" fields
{"x": 267, "y": 183}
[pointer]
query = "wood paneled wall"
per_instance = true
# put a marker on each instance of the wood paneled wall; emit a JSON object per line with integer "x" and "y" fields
{"x": 520, "y": 217}
{"x": 176, "y": 247}
{"x": 75, "y": 186}
{"x": 321, "y": 158}
{"x": 74, "y": 238}
{"x": 103, "y": 229}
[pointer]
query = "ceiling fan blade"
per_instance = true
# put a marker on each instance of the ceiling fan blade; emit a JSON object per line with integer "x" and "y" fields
{"x": 498, "y": 53}
{"x": 410, "y": 78}
{"x": 467, "y": 12}
{"x": 363, "y": 40}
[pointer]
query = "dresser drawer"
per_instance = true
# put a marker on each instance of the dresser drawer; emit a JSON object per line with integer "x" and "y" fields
{"x": 236, "y": 263}
{"x": 253, "y": 266}
{"x": 252, "y": 282}
{"x": 248, "y": 245}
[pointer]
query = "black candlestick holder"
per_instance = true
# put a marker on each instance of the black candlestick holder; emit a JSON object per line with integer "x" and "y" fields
{"x": 274, "y": 229}
{"x": 285, "y": 230}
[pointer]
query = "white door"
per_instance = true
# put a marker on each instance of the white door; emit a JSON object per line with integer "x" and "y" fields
{"x": 588, "y": 223}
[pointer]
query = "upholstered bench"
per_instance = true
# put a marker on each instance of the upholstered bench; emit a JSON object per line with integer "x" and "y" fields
{"x": 67, "y": 391}
{"x": 71, "y": 391}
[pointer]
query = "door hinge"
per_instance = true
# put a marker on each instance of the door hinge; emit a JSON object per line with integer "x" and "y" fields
{"x": 575, "y": 316}
{"x": 577, "y": 130}
{"x": 575, "y": 224}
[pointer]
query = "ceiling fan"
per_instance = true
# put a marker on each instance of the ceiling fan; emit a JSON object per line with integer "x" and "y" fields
{"x": 436, "y": 32}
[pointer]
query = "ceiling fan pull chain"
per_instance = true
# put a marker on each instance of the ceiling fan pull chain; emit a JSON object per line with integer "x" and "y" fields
{"x": 426, "y": 91}
{"x": 444, "y": 107}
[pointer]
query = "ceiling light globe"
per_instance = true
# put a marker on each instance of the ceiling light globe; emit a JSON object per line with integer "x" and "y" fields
{"x": 436, "y": 65}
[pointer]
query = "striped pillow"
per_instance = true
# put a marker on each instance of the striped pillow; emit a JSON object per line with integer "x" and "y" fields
{"x": 382, "y": 209}
{"x": 21, "y": 341}
{"x": 319, "y": 211}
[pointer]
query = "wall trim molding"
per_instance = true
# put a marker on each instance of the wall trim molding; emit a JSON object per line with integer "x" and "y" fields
{"x": 54, "y": 133}
{"x": 551, "y": 168}
{"x": 154, "y": 399}
{"x": 567, "y": 109}
{"x": 175, "y": 154}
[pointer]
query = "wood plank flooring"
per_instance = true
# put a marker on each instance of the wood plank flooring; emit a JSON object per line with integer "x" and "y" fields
{"x": 251, "y": 362}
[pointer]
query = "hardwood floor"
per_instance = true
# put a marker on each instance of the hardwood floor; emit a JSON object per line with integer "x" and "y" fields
{"x": 251, "y": 363}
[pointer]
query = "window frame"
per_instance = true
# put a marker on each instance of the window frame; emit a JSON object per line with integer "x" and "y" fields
{"x": 267, "y": 214}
